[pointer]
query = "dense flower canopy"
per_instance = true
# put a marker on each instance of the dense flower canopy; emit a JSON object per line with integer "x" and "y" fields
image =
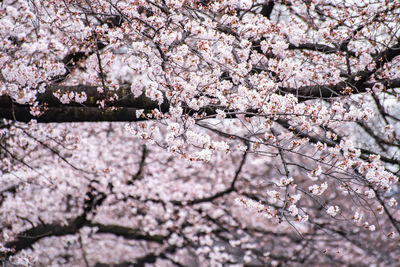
{"x": 199, "y": 133}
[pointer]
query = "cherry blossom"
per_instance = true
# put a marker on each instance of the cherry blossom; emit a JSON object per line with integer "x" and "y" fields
{"x": 199, "y": 133}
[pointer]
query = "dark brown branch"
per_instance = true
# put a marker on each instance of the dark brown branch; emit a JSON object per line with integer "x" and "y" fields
{"x": 27, "y": 238}
{"x": 69, "y": 114}
{"x": 125, "y": 98}
{"x": 139, "y": 174}
{"x": 124, "y": 109}
{"x": 9, "y": 190}
{"x": 126, "y": 232}
{"x": 267, "y": 8}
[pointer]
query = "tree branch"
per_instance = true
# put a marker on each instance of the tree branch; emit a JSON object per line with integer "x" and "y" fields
{"x": 27, "y": 238}
{"x": 126, "y": 232}
{"x": 124, "y": 109}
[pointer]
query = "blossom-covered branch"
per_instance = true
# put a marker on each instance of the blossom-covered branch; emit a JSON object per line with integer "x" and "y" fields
{"x": 206, "y": 133}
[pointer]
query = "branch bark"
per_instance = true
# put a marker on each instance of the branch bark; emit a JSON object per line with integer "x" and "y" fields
{"x": 31, "y": 236}
{"x": 27, "y": 238}
{"x": 124, "y": 109}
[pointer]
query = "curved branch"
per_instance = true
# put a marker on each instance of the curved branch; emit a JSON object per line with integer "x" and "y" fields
{"x": 125, "y": 107}
{"x": 27, "y": 238}
{"x": 126, "y": 232}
